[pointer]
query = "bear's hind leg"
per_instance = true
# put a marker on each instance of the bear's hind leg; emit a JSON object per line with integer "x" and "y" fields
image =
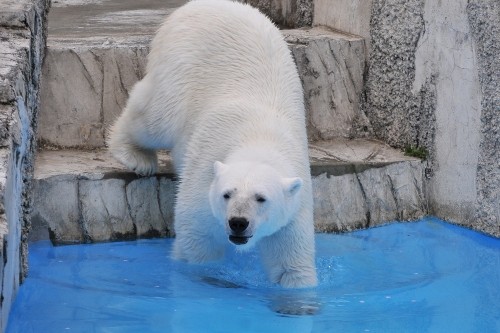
{"x": 125, "y": 149}
{"x": 129, "y": 139}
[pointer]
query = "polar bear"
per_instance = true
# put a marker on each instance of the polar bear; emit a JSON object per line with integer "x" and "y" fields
{"x": 222, "y": 93}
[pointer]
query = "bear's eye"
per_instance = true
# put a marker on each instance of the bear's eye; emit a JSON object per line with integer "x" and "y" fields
{"x": 260, "y": 198}
{"x": 227, "y": 195}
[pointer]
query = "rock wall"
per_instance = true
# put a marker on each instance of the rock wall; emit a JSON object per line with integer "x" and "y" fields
{"x": 352, "y": 16}
{"x": 432, "y": 83}
{"x": 368, "y": 198}
{"x": 22, "y": 41}
{"x": 331, "y": 66}
{"x": 78, "y": 209}
{"x": 84, "y": 89}
{"x": 85, "y": 85}
{"x": 484, "y": 21}
{"x": 286, "y": 13}
{"x": 392, "y": 108}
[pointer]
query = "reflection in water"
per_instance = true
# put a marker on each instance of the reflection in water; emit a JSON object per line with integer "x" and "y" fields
{"x": 409, "y": 277}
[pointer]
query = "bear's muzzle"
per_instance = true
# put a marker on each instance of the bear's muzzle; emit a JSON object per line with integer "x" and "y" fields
{"x": 238, "y": 226}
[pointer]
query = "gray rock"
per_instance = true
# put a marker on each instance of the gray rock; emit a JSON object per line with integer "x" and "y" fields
{"x": 107, "y": 20}
{"x": 86, "y": 81}
{"x": 484, "y": 20}
{"x": 6, "y": 113}
{"x": 286, "y": 13}
{"x": 377, "y": 191}
{"x": 433, "y": 83}
{"x": 94, "y": 58}
{"x": 57, "y": 208}
{"x": 22, "y": 40}
{"x": 111, "y": 203}
{"x": 396, "y": 26}
{"x": 356, "y": 184}
{"x": 83, "y": 90}
{"x": 104, "y": 209}
{"x": 331, "y": 66}
{"x": 352, "y": 16}
{"x": 339, "y": 203}
{"x": 72, "y": 74}
{"x": 406, "y": 181}
{"x": 20, "y": 14}
{"x": 368, "y": 197}
{"x": 445, "y": 56}
{"x": 168, "y": 189}
{"x": 143, "y": 199}
{"x": 95, "y": 164}
{"x": 123, "y": 67}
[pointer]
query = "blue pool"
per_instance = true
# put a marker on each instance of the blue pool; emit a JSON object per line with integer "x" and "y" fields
{"x": 427, "y": 276}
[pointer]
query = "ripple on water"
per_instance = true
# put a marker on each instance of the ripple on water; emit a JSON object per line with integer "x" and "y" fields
{"x": 427, "y": 276}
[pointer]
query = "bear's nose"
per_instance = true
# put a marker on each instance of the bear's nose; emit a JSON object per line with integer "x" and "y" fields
{"x": 238, "y": 224}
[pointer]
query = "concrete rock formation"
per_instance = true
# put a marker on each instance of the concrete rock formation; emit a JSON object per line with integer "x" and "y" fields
{"x": 331, "y": 66}
{"x": 286, "y": 13}
{"x": 433, "y": 83}
{"x": 416, "y": 73}
{"x": 484, "y": 20}
{"x": 86, "y": 84}
{"x": 88, "y": 197}
{"x": 22, "y": 41}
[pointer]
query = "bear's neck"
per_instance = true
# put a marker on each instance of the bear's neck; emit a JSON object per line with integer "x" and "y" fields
{"x": 257, "y": 153}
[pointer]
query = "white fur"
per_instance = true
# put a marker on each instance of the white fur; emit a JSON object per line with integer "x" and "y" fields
{"x": 221, "y": 85}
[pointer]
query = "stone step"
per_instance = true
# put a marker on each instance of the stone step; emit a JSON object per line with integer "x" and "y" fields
{"x": 97, "y": 52}
{"x": 86, "y": 196}
{"x": 352, "y": 16}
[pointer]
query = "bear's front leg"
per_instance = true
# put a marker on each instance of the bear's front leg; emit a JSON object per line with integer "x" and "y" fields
{"x": 291, "y": 275}
{"x": 288, "y": 256}
{"x": 196, "y": 245}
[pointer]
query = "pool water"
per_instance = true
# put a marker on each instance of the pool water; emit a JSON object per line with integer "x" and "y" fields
{"x": 427, "y": 276}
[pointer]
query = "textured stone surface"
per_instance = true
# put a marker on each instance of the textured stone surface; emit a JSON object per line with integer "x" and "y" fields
{"x": 94, "y": 165}
{"x": 393, "y": 109}
{"x": 484, "y": 20}
{"x": 105, "y": 213}
{"x": 339, "y": 204}
{"x": 104, "y": 202}
{"x": 331, "y": 66}
{"x": 352, "y": 16}
{"x": 357, "y": 184}
{"x": 85, "y": 87}
{"x": 143, "y": 199}
{"x": 100, "y": 19}
{"x": 286, "y": 13}
{"x": 58, "y": 210}
{"x": 167, "y": 202}
{"x": 446, "y": 52}
{"x": 369, "y": 197}
{"x": 82, "y": 210}
{"x": 22, "y": 38}
{"x": 433, "y": 83}
{"x": 96, "y": 52}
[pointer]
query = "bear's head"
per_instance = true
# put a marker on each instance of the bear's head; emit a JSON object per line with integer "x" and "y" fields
{"x": 252, "y": 200}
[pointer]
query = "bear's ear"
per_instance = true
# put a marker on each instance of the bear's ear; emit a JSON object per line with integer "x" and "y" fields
{"x": 219, "y": 167}
{"x": 291, "y": 186}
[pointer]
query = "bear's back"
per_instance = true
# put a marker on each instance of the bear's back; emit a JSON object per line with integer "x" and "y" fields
{"x": 212, "y": 51}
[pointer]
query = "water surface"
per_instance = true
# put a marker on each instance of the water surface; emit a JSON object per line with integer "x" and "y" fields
{"x": 427, "y": 276}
